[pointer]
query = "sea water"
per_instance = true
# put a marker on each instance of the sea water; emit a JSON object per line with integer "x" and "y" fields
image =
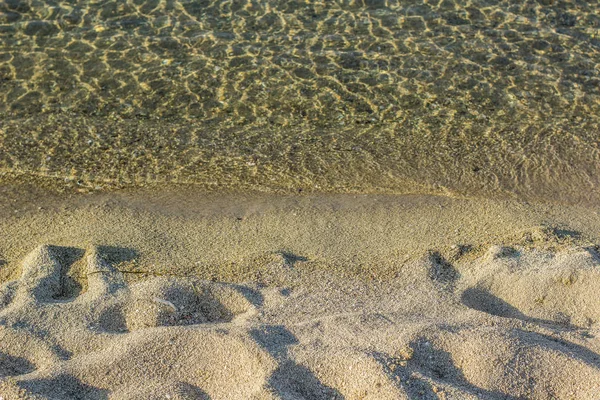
{"x": 478, "y": 97}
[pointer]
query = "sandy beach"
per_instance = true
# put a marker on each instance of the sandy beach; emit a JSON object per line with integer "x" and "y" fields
{"x": 300, "y": 200}
{"x": 182, "y": 294}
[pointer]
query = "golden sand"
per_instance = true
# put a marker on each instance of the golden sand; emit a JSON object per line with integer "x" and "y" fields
{"x": 188, "y": 295}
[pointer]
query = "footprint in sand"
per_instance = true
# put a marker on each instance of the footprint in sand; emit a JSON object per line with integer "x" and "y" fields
{"x": 35, "y": 309}
{"x": 177, "y": 301}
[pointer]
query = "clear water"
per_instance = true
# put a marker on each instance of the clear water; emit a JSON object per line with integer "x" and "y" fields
{"x": 476, "y": 97}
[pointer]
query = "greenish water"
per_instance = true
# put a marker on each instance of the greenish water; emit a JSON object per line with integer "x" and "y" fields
{"x": 478, "y": 97}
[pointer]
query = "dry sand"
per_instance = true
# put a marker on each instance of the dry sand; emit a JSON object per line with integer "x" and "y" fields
{"x": 174, "y": 294}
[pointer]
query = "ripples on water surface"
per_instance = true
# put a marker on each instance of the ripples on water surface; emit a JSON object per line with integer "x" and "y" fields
{"x": 480, "y": 97}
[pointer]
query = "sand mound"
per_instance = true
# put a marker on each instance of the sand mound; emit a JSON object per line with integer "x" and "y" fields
{"x": 560, "y": 288}
{"x": 497, "y": 363}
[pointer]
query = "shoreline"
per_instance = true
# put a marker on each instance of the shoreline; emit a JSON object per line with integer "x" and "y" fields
{"x": 13, "y": 181}
{"x": 538, "y": 163}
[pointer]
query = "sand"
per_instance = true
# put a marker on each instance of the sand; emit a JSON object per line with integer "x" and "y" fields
{"x": 177, "y": 294}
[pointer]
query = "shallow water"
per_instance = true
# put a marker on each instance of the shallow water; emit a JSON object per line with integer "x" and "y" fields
{"x": 476, "y": 97}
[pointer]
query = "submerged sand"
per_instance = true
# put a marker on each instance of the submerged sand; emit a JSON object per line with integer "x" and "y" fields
{"x": 177, "y": 294}
{"x": 478, "y": 97}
